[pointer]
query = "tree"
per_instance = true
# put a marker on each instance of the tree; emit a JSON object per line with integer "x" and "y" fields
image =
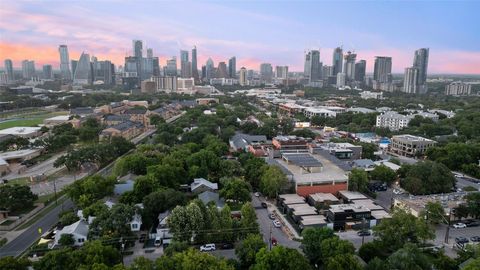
{"x": 358, "y": 180}
{"x": 428, "y": 178}
{"x": 377, "y": 264}
{"x": 311, "y": 243}
{"x": 186, "y": 221}
{"x": 236, "y": 190}
{"x": 175, "y": 247}
{"x": 68, "y": 218}
{"x": 343, "y": 262}
{"x": 333, "y": 247}
{"x": 90, "y": 189}
{"x": 66, "y": 240}
{"x": 113, "y": 223}
{"x": 142, "y": 263}
{"x": 254, "y": 168}
{"x": 473, "y": 265}
{"x": 11, "y": 263}
{"x": 384, "y": 174}
{"x": 273, "y": 180}
{"x": 249, "y": 218}
{"x": 248, "y": 248}
{"x": 434, "y": 213}
{"x": 16, "y": 197}
{"x": 280, "y": 258}
{"x": 160, "y": 201}
{"x": 56, "y": 260}
{"x": 402, "y": 228}
{"x": 473, "y": 204}
{"x": 372, "y": 250}
{"x": 191, "y": 259}
{"x": 409, "y": 257}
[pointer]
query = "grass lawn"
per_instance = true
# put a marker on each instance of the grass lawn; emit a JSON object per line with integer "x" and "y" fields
{"x": 21, "y": 181}
{"x": 21, "y": 123}
{"x": 30, "y": 119}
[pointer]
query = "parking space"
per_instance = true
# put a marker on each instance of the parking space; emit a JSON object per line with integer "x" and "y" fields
{"x": 352, "y": 237}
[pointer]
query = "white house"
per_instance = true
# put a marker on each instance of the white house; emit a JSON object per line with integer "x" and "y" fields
{"x": 136, "y": 223}
{"x": 78, "y": 230}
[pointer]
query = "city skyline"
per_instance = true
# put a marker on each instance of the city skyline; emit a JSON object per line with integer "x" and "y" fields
{"x": 28, "y": 28}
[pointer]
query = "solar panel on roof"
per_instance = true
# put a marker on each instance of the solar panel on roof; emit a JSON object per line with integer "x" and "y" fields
{"x": 302, "y": 160}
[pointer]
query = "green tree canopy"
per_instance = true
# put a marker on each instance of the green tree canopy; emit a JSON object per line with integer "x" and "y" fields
{"x": 248, "y": 248}
{"x": 273, "y": 181}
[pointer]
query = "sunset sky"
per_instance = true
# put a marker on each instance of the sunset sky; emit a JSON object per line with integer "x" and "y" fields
{"x": 276, "y": 32}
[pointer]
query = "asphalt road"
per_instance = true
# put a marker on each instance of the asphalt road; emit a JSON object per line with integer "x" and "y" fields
{"x": 266, "y": 226}
{"x": 45, "y": 167}
{"x": 30, "y": 235}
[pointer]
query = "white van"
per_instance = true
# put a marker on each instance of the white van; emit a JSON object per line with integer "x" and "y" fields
{"x": 158, "y": 241}
{"x": 208, "y": 247}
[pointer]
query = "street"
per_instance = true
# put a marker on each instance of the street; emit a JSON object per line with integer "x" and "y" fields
{"x": 266, "y": 226}
{"x": 45, "y": 167}
{"x": 30, "y": 235}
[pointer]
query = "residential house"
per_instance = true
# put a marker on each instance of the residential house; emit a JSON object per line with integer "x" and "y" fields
{"x": 141, "y": 115}
{"x": 136, "y": 222}
{"x": 78, "y": 230}
{"x": 207, "y": 196}
{"x": 364, "y": 164}
{"x": 200, "y": 185}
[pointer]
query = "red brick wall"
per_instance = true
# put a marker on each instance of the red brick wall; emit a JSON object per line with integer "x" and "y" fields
{"x": 307, "y": 190}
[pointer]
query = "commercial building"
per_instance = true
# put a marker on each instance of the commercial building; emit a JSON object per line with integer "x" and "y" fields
{"x": 24, "y": 132}
{"x": 349, "y": 66}
{"x": 420, "y": 61}
{"x": 64, "y": 62}
{"x": 410, "y": 81}
{"x": 409, "y": 145}
{"x": 371, "y": 95}
{"x": 458, "y": 89}
{"x": 342, "y": 151}
{"x": 243, "y": 77}
{"x": 337, "y": 61}
{"x": 266, "y": 72}
{"x": 312, "y": 172}
{"x": 165, "y": 83}
{"x": 56, "y": 120}
{"x": 47, "y": 72}
{"x": 83, "y": 71}
{"x": 281, "y": 72}
{"x": 382, "y": 70}
{"x": 312, "y": 66}
{"x": 290, "y": 142}
{"x": 393, "y": 120}
{"x": 28, "y": 69}
{"x": 322, "y": 112}
{"x": 232, "y": 67}
{"x": 360, "y": 70}
{"x": 127, "y": 130}
{"x": 9, "y": 70}
{"x": 341, "y": 78}
{"x": 148, "y": 87}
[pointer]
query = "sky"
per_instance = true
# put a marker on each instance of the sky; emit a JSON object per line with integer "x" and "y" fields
{"x": 276, "y": 32}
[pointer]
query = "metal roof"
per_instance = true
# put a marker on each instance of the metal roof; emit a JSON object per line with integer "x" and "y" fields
{"x": 302, "y": 159}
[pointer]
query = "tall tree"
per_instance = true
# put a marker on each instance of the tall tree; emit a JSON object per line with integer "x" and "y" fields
{"x": 384, "y": 174}
{"x": 312, "y": 240}
{"x": 280, "y": 258}
{"x": 358, "y": 180}
{"x": 235, "y": 189}
{"x": 273, "y": 180}
{"x": 248, "y": 248}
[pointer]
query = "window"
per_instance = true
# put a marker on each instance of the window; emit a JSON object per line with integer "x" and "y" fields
{"x": 134, "y": 225}
{"x": 81, "y": 240}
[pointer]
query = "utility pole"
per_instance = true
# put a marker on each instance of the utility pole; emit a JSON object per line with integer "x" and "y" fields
{"x": 123, "y": 248}
{"x": 448, "y": 225}
{"x": 55, "y": 190}
{"x": 363, "y": 230}
{"x": 270, "y": 240}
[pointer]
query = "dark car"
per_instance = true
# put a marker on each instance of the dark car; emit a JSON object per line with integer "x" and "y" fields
{"x": 142, "y": 238}
{"x": 227, "y": 246}
{"x": 461, "y": 240}
{"x": 475, "y": 238}
{"x": 271, "y": 216}
{"x": 264, "y": 205}
{"x": 473, "y": 224}
{"x": 364, "y": 233}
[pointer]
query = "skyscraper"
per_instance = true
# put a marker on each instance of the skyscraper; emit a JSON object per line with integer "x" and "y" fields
{"x": 382, "y": 70}
{"x": 420, "y": 61}
{"x": 171, "y": 68}
{"x": 9, "y": 70}
{"x": 243, "y": 76}
{"x": 266, "y": 72}
{"x": 410, "y": 81}
{"x": 28, "y": 69}
{"x": 74, "y": 66}
{"x": 156, "y": 66}
{"x": 210, "y": 69}
{"x": 340, "y": 79}
{"x": 326, "y": 71}
{"x": 64, "y": 62}
{"x": 83, "y": 72}
{"x": 222, "y": 70}
{"x": 185, "y": 68}
{"x": 194, "y": 64}
{"x": 232, "y": 67}
{"x": 349, "y": 66}
{"x": 281, "y": 72}
{"x": 148, "y": 64}
{"x": 337, "y": 62}
{"x": 138, "y": 54}
{"x": 312, "y": 67}
{"x": 47, "y": 72}
{"x": 360, "y": 69}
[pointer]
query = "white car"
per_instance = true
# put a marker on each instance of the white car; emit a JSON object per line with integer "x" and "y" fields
{"x": 277, "y": 224}
{"x": 207, "y": 247}
{"x": 397, "y": 191}
{"x": 257, "y": 194}
{"x": 459, "y": 225}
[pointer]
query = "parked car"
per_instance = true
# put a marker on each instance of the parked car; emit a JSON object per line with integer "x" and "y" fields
{"x": 364, "y": 233}
{"x": 277, "y": 224}
{"x": 257, "y": 194}
{"x": 472, "y": 223}
{"x": 459, "y": 225}
{"x": 271, "y": 216}
{"x": 475, "y": 238}
{"x": 227, "y": 246}
{"x": 158, "y": 241}
{"x": 461, "y": 240}
{"x": 397, "y": 191}
{"x": 274, "y": 241}
{"x": 142, "y": 238}
{"x": 264, "y": 205}
{"x": 208, "y": 247}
